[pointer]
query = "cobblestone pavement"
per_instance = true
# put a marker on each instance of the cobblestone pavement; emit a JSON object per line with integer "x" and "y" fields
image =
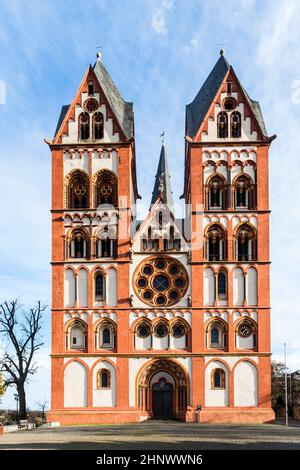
{"x": 155, "y": 435}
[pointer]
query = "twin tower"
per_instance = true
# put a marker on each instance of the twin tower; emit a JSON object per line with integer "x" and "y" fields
{"x": 161, "y": 318}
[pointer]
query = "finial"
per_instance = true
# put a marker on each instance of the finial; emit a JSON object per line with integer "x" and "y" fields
{"x": 222, "y": 51}
{"x": 99, "y": 55}
{"x": 163, "y": 137}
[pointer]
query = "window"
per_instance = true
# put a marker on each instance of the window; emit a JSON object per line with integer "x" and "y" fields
{"x": 235, "y": 124}
{"x": 99, "y": 287}
{"x": 244, "y": 193}
{"x": 98, "y": 126}
{"x": 222, "y": 125}
{"x": 216, "y": 335}
{"x": 105, "y": 335}
{"x": 218, "y": 379}
{"x": 161, "y": 330}
{"x": 246, "y": 243}
{"x": 229, "y": 88}
{"x": 90, "y": 88}
{"x": 222, "y": 285}
{"x": 84, "y": 126}
{"x": 216, "y": 243}
{"x": 78, "y": 246}
{"x": 77, "y": 190}
{"x": 105, "y": 188}
{"x": 76, "y": 336}
{"x": 217, "y": 193}
{"x": 106, "y": 248}
{"x": 143, "y": 330}
{"x": 103, "y": 379}
{"x": 178, "y": 330}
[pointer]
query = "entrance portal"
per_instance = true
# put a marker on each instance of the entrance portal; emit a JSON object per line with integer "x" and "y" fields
{"x": 162, "y": 400}
{"x": 163, "y": 389}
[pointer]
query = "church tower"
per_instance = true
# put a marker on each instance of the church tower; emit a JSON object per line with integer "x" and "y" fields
{"x": 93, "y": 202}
{"x": 163, "y": 317}
{"x": 226, "y": 186}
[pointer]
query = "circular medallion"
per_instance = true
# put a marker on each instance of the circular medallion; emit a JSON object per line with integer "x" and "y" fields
{"x": 90, "y": 105}
{"x": 229, "y": 104}
{"x": 160, "y": 281}
{"x": 245, "y": 329}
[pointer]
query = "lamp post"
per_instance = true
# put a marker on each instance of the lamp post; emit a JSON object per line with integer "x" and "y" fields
{"x": 286, "y": 390}
{"x": 16, "y": 396}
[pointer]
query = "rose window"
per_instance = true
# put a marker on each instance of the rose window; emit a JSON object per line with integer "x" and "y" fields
{"x": 161, "y": 282}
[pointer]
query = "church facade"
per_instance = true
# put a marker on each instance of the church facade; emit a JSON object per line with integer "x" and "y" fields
{"x": 161, "y": 318}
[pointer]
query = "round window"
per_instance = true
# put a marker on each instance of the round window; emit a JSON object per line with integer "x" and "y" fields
{"x": 160, "y": 281}
{"x": 142, "y": 282}
{"x": 173, "y": 269}
{"x": 178, "y": 330}
{"x": 229, "y": 104}
{"x": 143, "y": 330}
{"x": 161, "y": 330}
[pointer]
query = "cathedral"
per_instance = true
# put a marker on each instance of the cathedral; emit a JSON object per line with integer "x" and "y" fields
{"x": 162, "y": 318}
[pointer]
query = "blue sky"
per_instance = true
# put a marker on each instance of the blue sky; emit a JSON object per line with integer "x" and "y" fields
{"x": 158, "y": 52}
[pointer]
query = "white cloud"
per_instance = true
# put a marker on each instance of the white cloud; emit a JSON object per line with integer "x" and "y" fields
{"x": 158, "y": 20}
{"x": 195, "y": 42}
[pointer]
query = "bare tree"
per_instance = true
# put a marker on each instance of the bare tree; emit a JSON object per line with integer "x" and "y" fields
{"x": 24, "y": 340}
{"x": 2, "y": 388}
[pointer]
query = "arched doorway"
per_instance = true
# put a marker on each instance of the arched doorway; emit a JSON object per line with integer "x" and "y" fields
{"x": 163, "y": 389}
{"x": 162, "y": 400}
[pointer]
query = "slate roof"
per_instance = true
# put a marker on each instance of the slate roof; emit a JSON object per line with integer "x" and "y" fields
{"x": 162, "y": 185}
{"x": 198, "y": 108}
{"x": 123, "y": 109}
{"x": 63, "y": 112}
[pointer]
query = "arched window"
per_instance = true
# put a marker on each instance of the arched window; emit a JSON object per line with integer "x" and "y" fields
{"x": 78, "y": 245}
{"x": 106, "y": 247}
{"x": 216, "y": 335}
{"x": 77, "y": 190}
{"x": 216, "y": 243}
{"x": 105, "y": 335}
{"x": 218, "y": 378}
{"x": 98, "y": 128}
{"x": 246, "y": 243}
{"x": 235, "y": 124}
{"x": 244, "y": 193}
{"x": 99, "y": 287}
{"x": 222, "y": 285}
{"x": 84, "y": 126}
{"x": 76, "y": 336}
{"x": 222, "y": 125}
{"x": 103, "y": 378}
{"x": 217, "y": 193}
{"x": 105, "y": 188}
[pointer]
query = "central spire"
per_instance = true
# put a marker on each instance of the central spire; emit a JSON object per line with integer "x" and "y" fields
{"x": 162, "y": 185}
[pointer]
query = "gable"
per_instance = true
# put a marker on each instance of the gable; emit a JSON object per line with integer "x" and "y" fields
{"x": 202, "y": 113}
{"x": 111, "y": 107}
{"x": 151, "y": 221}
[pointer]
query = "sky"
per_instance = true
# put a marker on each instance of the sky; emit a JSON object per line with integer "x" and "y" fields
{"x": 158, "y": 53}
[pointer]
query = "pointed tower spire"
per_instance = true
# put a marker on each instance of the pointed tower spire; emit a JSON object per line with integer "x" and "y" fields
{"x": 162, "y": 185}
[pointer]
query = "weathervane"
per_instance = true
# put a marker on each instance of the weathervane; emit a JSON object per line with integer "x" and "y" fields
{"x": 99, "y": 53}
{"x": 163, "y": 137}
